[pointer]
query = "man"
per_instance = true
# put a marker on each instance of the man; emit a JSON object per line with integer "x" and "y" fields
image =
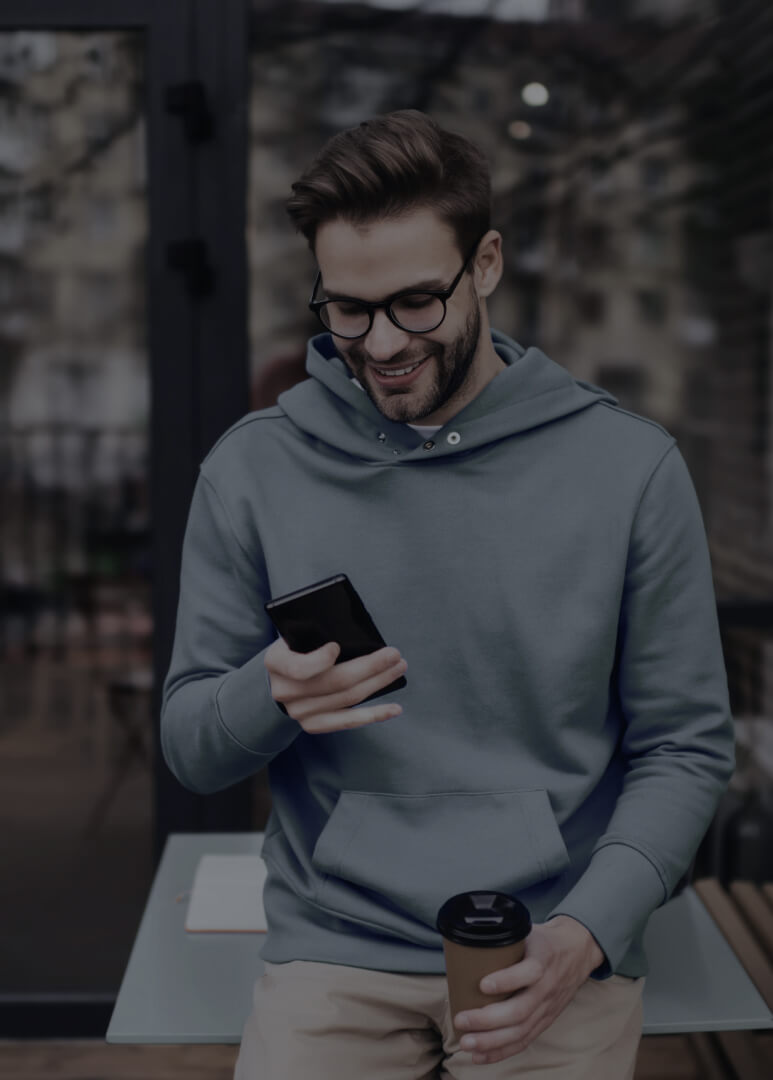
{"x": 537, "y": 556}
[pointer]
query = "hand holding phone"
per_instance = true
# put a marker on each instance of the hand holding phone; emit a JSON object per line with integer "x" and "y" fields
{"x": 330, "y": 658}
{"x": 319, "y": 693}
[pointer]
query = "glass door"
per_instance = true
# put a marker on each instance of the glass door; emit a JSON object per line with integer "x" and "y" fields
{"x": 112, "y": 273}
{"x": 76, "y": 750}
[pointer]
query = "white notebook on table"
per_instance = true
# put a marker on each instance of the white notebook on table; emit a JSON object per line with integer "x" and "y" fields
{"x": 227, "y": 895}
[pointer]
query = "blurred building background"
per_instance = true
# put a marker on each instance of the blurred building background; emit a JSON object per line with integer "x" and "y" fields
{"x": 631, "y": 153}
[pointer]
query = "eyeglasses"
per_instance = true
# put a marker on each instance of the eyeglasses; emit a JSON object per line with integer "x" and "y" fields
{"x": 414, "y": 312}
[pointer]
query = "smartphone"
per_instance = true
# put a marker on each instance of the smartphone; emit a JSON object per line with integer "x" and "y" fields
{"x": 329, "y": 610}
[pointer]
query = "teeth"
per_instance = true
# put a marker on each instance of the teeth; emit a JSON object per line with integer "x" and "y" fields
{"x": 399, "y": 371}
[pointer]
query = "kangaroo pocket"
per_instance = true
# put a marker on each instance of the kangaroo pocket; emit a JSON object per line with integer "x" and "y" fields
{"x": 382, "y": 857}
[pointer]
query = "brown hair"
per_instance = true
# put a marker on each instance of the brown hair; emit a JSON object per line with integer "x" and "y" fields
{"x": 391, "y": 165}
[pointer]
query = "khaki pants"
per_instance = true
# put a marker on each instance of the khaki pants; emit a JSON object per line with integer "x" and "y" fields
{"x": 332, "y": 1022}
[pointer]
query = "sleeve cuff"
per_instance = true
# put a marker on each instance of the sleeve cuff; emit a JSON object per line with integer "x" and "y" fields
{"x": 613, "y": 899}
{"x": 250, "y": 714}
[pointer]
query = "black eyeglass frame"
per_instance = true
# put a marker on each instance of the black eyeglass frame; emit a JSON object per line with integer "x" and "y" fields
{"x": 441, "y": 294}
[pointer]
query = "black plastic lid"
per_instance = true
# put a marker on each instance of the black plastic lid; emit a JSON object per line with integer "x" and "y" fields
{"x": 487, "y": 919}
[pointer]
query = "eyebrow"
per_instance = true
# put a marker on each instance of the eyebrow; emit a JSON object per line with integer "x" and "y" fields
{"x": 428, "y": 285}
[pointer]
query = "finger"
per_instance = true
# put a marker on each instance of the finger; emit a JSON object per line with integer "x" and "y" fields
{"x": 501, "y": 1013}
{"x": 507, "y": 1042}
{"x": 325, "y": 723}
{"x": 329, "y": 703}
{"x": 342, "y": 680}
{"x": 352, "y": 674}
{"x": 281, "y": 660}
{"x": 492, "y": 1056}
{"x": 492, "y": 1043}
{"x": 516, "y": 977}
{"x": 520, "y": 1030}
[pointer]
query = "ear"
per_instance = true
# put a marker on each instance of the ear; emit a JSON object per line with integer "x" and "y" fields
{"x": 487, "y": 265}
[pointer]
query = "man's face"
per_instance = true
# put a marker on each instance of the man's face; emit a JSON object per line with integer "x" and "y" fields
{"x": 373, "y": 262}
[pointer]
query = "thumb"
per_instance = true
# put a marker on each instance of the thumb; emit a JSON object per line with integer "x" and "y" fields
{"x": 321, "y": 659}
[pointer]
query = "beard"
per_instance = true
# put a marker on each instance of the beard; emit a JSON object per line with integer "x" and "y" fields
{"x": 445, "y": 377}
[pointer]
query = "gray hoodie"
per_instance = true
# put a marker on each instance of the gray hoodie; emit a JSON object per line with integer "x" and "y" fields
{"x": 542, "y": 565}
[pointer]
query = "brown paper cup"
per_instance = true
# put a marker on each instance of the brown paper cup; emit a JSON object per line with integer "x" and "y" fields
{"x": 482, "y": 932}
{"x": 466, "y": 966}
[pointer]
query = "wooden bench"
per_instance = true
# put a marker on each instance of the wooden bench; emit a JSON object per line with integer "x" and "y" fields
{"x": 744, "y": 914}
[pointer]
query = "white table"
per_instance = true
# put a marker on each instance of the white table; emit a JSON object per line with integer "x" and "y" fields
{"x": 197, "y": 988}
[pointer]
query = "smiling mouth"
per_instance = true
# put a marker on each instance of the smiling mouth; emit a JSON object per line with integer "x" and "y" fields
{"x": 398, "y": 371}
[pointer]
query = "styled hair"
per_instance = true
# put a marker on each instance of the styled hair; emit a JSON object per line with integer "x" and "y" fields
{"x": 389, "y": 166}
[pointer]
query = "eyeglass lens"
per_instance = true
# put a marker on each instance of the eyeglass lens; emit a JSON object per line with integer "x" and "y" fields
{"x": 416, "y": 312}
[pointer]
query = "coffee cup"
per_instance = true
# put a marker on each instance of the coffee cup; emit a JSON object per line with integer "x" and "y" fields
{"x": 482, "y": 932}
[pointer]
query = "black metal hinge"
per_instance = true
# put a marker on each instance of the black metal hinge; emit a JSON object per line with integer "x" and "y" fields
{"x": 191, "y": 259}
{"x": 189, "y": 101}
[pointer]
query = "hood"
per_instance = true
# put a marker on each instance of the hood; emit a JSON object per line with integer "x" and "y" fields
{"x": 531, "y": 391}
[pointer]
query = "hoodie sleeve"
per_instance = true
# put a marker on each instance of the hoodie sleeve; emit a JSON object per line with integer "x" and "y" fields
{"x": 219, "y": 723}
{"x": 678, "y": 738}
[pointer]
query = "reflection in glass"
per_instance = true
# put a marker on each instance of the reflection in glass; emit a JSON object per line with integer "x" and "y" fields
{"x": 75, "y": 624}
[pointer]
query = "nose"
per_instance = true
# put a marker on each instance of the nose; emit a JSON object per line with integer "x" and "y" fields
{"x": 384, "y": 340}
